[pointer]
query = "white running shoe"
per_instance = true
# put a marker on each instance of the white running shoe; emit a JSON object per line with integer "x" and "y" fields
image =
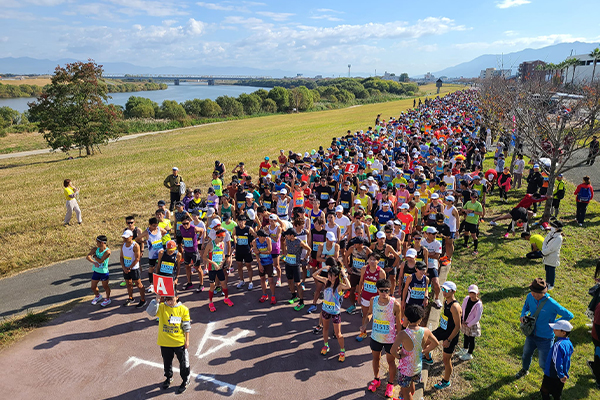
{"x": 97, "y": 299}
{"x": 240, "y": 285}
{"x": 106, "y": 302}
{"x": 493, "y": 223}
{"x": 278, "y": 282}
{"x": 150, "y": 289}
{"x": 466, "y": 357}
{"x": 250, "y": 286}
{"x": 438, "y": 303}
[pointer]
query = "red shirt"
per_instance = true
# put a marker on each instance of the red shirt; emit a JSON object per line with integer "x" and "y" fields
{"x": 584, "y": 185}
{"x": 264, "y": 168}
{"x": 528, "y": 200}
{"x": 406, "y": 220}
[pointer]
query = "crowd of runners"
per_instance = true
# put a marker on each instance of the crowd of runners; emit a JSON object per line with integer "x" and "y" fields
{"x": 370, "y": 219}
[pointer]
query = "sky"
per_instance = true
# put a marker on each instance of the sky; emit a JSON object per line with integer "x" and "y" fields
{"x": 303, "y": 36}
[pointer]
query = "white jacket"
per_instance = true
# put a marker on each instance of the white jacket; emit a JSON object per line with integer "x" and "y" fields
{"x": 551, "y": 249}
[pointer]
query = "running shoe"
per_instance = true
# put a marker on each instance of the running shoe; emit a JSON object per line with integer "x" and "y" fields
{"x": 123, "y": 284}
{"x": 351, "y": 309}
{"x": 106, "y": 302}
{"x": 325, "y": 350}
{"x": 240, "y": 285}
{"x": 128, "y": 302}
{"x": 442, "y": 385}
{"x": 493, "y": 223}
{"x": 194, "y": 270}
{"x": 150, "y": 289}
{"x": 273, "y": 300}
{"x": 466, "y": 357}
{"x": 217, "y": 289}
{"x": 545, "y": 225}
{"x": 188, "y": 286}
{"x": 375, "y": 383}
{"x": 228, "y": 302}
{"x": 141, "y": 304}
{"x": 361, "y": 337}
{"x": 183, "y": 386}
{"x": 506, "y": 235}
{"x": 428, "y": 361}
{"x": 308, "y": 273}
{"x": 303, "y": 287}
{"x": 389, "y": 391}
{"x": 278, "y": 282}
{"x": 317, "y": 330}
{"x": 475, "y": 252}
{"x": 299, "y": 306}
{"x": 445, "y": 262}
{"x": 293, "y": 300}
{"x": 312, "y": 309}
{"x": 250, "y": 286}
{"x": 263, "y": 298}
{"x": 200, "y": 288}
{"x": 167, "y": 383}
{"x": 437, "y": 304}
{"x": 211, "y": 307}
{"x": 342, "y": 356}
{"x": 347, "y": 294}
{"x": 205, "y": 271}
{"x": 521, "y": 373}
{"x": 97, "y": 299}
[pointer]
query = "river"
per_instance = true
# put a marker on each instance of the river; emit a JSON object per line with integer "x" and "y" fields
{"x": 185, "y": 91}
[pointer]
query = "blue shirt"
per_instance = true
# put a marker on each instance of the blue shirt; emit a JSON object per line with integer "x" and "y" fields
{"x": 548, "y": 315}
{"x": 559, "y": 359}
{"x": 384, "y": 216}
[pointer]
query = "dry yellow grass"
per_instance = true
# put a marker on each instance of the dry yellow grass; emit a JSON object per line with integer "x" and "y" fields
{"x": 127, "y": 177}
{"x": 26, "y": 81}
{"x": 15, "y": 142}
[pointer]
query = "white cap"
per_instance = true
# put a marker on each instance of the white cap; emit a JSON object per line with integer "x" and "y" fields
{"x": 251, "y": 214}
{"x": 435, "y": 196}
{"x": 127, "y": 233}
{"x": 215, "y": 222}
{"x": 336, "y": 167}
{"x": 473, "y": 289}
{"x": 370, "y": 152}
{"x": 330, "y": 236}
{"x": 380, "y": 235}
{"x": 404, "y": 206}
{"x": 273, "y": 217}
{"x": 385, "y": 205}
{"x": 356, "y": 201}
{"x": 450, "y": 198}
{"x": 431, "y": 229}
{"x": 411, "y": 253}
{"x": 562, "y": 325}
{"x": 371, "y": 178}
{"x": 249, "y": 195}
{"x": 339, "y": 209}
{"x": 175, "y": 169}
{"x": 283, "y": 191}
{"x": 363, "y": 187}
{"x": 210, "y": 212}
{"x": 268, "y": 176}
{"x": 449, "y": 286}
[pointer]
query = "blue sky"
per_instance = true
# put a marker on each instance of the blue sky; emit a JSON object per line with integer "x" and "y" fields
{"x": 317, "y": 36}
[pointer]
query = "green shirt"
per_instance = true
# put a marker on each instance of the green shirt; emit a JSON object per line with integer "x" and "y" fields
{"x": 419, "y": 205}
{"x": 217, "y": 184}
{"x": 538, "y": 240}
{"x": 473, "y": 207}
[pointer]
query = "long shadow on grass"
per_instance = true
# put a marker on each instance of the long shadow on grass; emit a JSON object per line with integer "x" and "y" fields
{"x": 487, "y": 393}
{"x": 35, "y": 163}
{"x": 504, "y": 293}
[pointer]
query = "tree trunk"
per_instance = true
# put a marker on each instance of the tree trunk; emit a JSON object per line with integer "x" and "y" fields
{"x": 594, "y": 70}
{"x": 87, "y": 150}
{"x": 549, "y": 193}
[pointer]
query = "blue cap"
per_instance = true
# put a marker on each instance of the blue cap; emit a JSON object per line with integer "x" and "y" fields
{"x": 559, "y": 176}
{"x": 536, "y": 165}
{"x": 266, "y": 158}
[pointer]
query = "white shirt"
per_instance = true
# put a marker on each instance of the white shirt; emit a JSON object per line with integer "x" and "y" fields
{"x": 343, "y": 223}
{"x": 432, "y": 247}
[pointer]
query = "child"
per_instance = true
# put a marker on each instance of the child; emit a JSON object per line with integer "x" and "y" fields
{"x": 412, "y": 343}
{"x": 332, "y": 304}
{"x": 558, "y": 363}
{"x": 472, "y": 308}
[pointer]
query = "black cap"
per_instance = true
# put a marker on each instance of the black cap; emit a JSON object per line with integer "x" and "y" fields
{"x": 290, "y": 232}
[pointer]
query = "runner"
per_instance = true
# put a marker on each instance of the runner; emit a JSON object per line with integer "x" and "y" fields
{"x": 386, "y": 319}
{"x": 416, "y": 285}
{"x": 434, "y": 250}
{"x": 130, "y": 263}
{"x": 214, "y": 254}
{"x": 191, "y": 258}
{"x": 354, "y": 261}
{"x": 329, "y": 249}
{"x": 335, "y": 283}
{"x": 243, "y": 236}
{"x": 262, "y": 247}
{"x": 473, "y": 211}
{"x": 153, "y": 235}
{"x": 292, "y": 250}
{"x": 386, "y": 258}
{"x": 274, "y": 229}
{"x": 367, "y": 289}
{"x": 169, "y": 263}
{"x": 99, "y": 256}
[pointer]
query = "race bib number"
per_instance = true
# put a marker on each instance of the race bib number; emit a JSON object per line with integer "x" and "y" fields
{"x": 447, "y": 220}
{"x": 173, "y": 320}
{"x": 358, "y": 263}
{"x": 417, "y": 293}
{"x": 439, "y": 240}
{"x": 316, "y": 245}
{"x": 381, "y": 263}
{"x": 217, "y": 256}
{"x": 167, "y": 267}
{"x": 188, "y": 242}
{"x": 324, "y": 196}
{"x": 290, "y": 259}
{"x": 345, "y": 204}
{"x": 127, "y": 261}
{"x": 157, "y": 244}
{"x": 444, "y": 322}
{"x": 470, "y": 214}
{"x": 432, "y": 262}
{"x": 380, "y": 326}
{"x": 267, "y": 205}
{"x": 369, "y": 287}
{"x": 242, "y": 240}
{"x": 178, "y": 225}
{"x": 216, "y": 188}
{"x": 328, "y": 307}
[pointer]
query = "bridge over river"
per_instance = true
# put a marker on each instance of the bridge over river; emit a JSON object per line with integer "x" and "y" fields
{"x": 211, "y": 79}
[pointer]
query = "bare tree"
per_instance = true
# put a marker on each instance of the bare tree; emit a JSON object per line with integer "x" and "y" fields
{"x": 550, "y": 124}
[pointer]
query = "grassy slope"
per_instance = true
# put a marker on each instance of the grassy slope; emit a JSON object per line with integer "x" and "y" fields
{"x": 16, "y": 142}
{"x": 503, "y": 275}
{"x": 32, "y": 81}
{"x": 127, "y": 177}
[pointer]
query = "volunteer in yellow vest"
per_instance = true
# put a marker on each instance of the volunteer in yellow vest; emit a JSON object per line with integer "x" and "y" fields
{"x": 174, "y": 326}
{"x": 71, "y": 193}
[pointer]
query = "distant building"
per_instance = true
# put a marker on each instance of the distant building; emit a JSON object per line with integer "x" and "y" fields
{"x": 489, "y": 73}
{"x": 528, "y": 70}
{"x": 583, "y": 71}
{"x": 390, "y": 77}
{"x": 318, "y": 76}
{"x": 429, "y": 77}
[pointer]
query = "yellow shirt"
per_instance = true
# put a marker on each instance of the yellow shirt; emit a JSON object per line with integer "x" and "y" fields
{"x": 170, "y": 333}
{"x": 166, "y": 225}
{"x": 68, "y": 192}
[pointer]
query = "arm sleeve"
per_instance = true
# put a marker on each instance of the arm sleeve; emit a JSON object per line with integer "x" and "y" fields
{"x": 559, "y": 362}
{"x": 563, "y": 312}
{"x": 166, "y": 183}
{"x": 152, "y": 308}
{"x": 475, "y": 315}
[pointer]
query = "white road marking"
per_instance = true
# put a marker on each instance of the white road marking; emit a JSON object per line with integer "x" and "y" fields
{"x": 225, "y": 341}
{"x": 222, "y": 386}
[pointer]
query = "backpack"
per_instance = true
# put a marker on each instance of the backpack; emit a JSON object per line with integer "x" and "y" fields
{"x": 585, "y": 194}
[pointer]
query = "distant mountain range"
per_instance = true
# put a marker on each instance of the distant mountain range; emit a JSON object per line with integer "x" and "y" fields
{"x": 554, "y": 53}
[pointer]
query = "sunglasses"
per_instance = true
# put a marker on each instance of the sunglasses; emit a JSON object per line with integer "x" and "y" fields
{"x": 130, "y": 222}
{"x": 384, "y": 290}
{"x": 445, "y": 290}
{"x": 185, "y": 223}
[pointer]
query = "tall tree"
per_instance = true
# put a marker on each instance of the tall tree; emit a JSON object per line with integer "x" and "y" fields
{"x": 72, "y": 110}
{"x": 595, "y": 54}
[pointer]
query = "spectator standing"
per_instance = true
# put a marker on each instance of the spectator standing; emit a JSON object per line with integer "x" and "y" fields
{"x": 173, "y": 183}
{"x": 71, "y": 193}
{"x": 558, "y": 195}
{"x": 594, "y": 150}
{"x": 472, "y": 309}
{"x": 518, "y": 172}
{"x": 534, "y": 182}
{"x": 585, "y": 194}
{"x": 542, "y": 336}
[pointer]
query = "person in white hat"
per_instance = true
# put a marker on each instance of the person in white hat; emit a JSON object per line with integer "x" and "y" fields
{"x": 447, "y": 332}
{"x": 558, "y": 363}
{"x": 328, "y": 249}
{"x": 434, "y": 249}
{"x": 472, "y": 309}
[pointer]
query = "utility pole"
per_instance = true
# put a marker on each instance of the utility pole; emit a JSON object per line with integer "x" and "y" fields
{"x": 349, "y": 70}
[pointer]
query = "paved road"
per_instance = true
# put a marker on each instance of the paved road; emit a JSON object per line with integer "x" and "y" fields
{"x": 574, "y": 175}
{"x": 126, "y": 137}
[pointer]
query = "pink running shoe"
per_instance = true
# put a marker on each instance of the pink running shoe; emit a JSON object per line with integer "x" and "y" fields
{"x": 228, "y": 302}
{"x": 374, "y": 385}
{"x": 389, "y": 391}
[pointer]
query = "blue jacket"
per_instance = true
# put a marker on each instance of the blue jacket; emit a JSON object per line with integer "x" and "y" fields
{"x": 548, "y": 315}
{"x": 559, "y": 359}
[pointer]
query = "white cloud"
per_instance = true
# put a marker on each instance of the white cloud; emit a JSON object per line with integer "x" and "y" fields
{"x": 215, "y": 6}
{"x": 329, "y": 10}
{"x": 511, "y": 33}
{"x": 522, "y": 42}
{"x": 326, "y": 17}
{"x": 195, "y": 27}
{"x": 511, "y": 3}
{"x": 275, "y": 16}
{"x": 150, "y": 7}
